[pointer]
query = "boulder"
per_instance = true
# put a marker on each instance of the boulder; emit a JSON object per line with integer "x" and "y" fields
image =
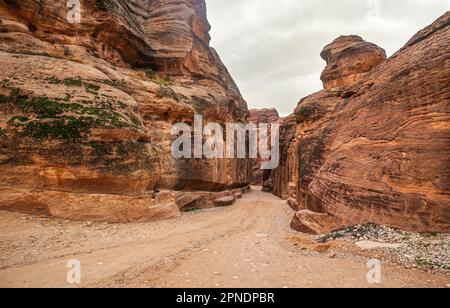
{"x": 224, "y": 201}
{"x": 306, "y": 221}
{"x": 204, "y": 200}
{"x": 348, "y": 59}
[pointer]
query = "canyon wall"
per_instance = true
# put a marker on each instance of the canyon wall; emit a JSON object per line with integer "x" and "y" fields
{"x": 267, "y": 116}
{"x": 86, "y": 109}
{"x": 374, "y": 145}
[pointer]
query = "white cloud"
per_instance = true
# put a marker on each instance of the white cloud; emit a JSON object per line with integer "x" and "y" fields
{"x": 272, "y": 47}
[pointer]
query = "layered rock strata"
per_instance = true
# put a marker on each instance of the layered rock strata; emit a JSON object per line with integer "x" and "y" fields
{"x": 348, "y": 59}
{"x": 373, "y": 147}
{"x": 86, "y": 109}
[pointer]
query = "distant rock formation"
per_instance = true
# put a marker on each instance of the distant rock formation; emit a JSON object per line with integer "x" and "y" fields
{"x": 374, "y": 146}
{"x": 348, "y": 59}
{"x": 265, "y": 116}
{"x": 86, "y": 110}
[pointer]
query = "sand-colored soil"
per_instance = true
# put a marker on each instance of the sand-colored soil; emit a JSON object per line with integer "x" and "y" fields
{"x": 246, "y": 245}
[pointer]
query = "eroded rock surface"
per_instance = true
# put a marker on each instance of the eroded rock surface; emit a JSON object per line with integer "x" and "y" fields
{"x": 187, "y": 201}
{"x": 86, "y": 110}
{"x": 267, "y": 116}
{"x": 373, "y": 147}
{"x": 348, "y": 59}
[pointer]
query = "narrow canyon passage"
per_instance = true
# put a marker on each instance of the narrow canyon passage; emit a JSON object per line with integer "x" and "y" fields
{"x": 245, "y": 245}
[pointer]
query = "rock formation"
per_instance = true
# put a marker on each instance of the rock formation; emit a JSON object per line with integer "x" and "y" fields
{"x": 86, "y": 110}
{"x": 265, "y": 116}
{"x": 348, "y": 59}
{"x": 374, "y": 146}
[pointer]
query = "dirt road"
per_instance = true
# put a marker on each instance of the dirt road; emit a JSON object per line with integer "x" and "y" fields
{"x": 246, "y": 245}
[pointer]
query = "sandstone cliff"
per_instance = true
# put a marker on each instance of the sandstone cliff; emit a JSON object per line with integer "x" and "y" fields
{"x": 86, "y": 109}
{"x": 374, "y": 146}
{"x": 348, "y": 59}
{"x": 264, "y": 116}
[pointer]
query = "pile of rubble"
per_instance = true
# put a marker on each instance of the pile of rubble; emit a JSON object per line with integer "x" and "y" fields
{"x": 413, "y": 250}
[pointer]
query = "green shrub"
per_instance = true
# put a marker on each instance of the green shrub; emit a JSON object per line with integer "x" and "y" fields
{"x": 115, "y": 83}
{"x": 430, "y": 234}
{"x": 3, "y": 99}
{"x": 46, "y": 118}
{"x": 70, "y": 81}
{"x": 91, "y": 87}
{"x": 150, "y": 74}
{"x": 166, "y": 81}
{"x": 42, "y": 106}
{"x": 21, "y": 119}
{"x": 68, "y": 129}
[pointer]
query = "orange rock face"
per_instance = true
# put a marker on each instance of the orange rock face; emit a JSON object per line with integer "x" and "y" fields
{"x": 264, "y": 116}
{"x": 374, "y": 148}
{"x": 348, "y": 59}
{"x": 86, "y": 110}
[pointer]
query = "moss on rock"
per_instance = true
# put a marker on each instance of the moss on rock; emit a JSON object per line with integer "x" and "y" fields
{"x": 67, "y": 128}
{"x": 46, "y": 118}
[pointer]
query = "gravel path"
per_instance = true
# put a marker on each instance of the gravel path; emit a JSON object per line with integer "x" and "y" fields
{"x": 246, "y": 245}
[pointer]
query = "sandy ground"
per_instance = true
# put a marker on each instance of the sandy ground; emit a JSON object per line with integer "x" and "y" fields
{"x": 246, "y": 245}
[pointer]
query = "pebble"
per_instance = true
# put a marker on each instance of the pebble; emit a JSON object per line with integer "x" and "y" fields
{"x": 331, "y": 255}
{"x": 413, "y": 250}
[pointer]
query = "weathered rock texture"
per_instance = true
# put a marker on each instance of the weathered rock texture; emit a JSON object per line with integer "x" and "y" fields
{"x": 348, "y": 59}
{"x": 86, "y": 110}
{"x": 187, "y": 201}
{"x": 373, "y": 147}
{"x": 257, "y": 117}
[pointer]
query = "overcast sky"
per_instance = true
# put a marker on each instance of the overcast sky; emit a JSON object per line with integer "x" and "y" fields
{"x": 272, "y": 47}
